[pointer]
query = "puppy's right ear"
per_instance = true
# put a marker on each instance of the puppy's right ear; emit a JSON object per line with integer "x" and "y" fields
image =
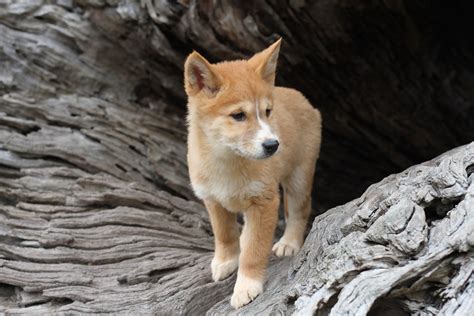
{"x": 199, "y": 76}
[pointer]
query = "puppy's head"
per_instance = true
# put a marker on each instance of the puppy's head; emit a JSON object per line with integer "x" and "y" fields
{"x": 232, "y": 102}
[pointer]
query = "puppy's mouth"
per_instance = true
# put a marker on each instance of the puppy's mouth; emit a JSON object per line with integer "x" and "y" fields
{"x": 266, "y": 156}
{"x": 254, "y": 156}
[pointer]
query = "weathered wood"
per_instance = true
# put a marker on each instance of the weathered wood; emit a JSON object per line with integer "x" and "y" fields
{"x": 78, "y": 242}
{"x": 393, "y": 79}
{"x": 97, "y": 215}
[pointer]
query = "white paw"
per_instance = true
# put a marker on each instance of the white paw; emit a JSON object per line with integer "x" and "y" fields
{"x": 286, "y": 248}
{"x": 245, "y": 290}
{"x": 222, "y": 269}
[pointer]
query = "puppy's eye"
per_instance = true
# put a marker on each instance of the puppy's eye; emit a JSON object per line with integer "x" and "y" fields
{"x": 238, "y": 116}
{"x": 268, "y": 112}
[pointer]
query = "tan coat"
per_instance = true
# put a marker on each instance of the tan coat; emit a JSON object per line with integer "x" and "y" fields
{"x": 234, "y": 108}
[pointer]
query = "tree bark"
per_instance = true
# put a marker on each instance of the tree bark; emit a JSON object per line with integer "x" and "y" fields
{"x": 393, "y": 79}
{"x": 97, "y": 214}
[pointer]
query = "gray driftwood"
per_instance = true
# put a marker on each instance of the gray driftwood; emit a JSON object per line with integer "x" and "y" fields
{"x": 393, "y": 79}
{"x": 96, "y": 212}
{"x": 78, "y": 241}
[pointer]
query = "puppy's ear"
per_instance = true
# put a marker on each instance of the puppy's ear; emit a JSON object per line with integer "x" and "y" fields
{"x": 265, "y": 62}
{"x": 199, "y": 76}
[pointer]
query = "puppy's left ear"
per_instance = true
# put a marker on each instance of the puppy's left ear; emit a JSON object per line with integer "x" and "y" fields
{"x": 265, "y": 62}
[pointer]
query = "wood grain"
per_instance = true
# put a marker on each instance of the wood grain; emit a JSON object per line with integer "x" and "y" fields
{"x": 97, "y": 215}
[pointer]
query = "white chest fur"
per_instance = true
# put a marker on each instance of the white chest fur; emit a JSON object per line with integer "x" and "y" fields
{"x": 226, "y": 184}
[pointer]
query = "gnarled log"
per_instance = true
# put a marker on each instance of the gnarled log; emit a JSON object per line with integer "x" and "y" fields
{"x": 96, "y": 210}
{"x": 393, "y": 79}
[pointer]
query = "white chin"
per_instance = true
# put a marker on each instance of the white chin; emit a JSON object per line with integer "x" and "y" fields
{"x": 252, "y": 156}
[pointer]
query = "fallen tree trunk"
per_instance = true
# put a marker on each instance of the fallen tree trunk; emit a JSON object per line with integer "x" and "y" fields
{"x": 95, "y": 205}
{"x": 393, "y": 79}
{"x": 73, "y": 241}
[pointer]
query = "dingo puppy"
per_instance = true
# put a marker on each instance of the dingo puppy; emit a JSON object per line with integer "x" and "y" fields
{"x": 246, "y": 137}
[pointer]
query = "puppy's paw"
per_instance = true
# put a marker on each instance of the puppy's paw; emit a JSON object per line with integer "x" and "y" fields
{"x": 222, "y": 269}
{"x": 245, "y": 290}
{"x": 285, "y": 247}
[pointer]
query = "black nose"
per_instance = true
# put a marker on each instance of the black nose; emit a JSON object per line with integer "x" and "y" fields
{"x": 270, "y": 146}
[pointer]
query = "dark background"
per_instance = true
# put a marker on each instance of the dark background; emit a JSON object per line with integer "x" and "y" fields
{"x": 394, "y": 80}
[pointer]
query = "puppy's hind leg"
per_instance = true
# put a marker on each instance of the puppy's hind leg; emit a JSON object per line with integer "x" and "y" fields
{"x": 297, "y": 196}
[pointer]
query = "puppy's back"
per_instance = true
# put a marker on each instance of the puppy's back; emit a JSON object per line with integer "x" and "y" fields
{"x": 297, "y": 115}
{"x": 299, "y": 127}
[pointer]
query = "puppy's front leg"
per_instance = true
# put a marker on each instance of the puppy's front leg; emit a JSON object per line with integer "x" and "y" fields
{"x": 226, "y": 240}
{"x": 256, "y": 243}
